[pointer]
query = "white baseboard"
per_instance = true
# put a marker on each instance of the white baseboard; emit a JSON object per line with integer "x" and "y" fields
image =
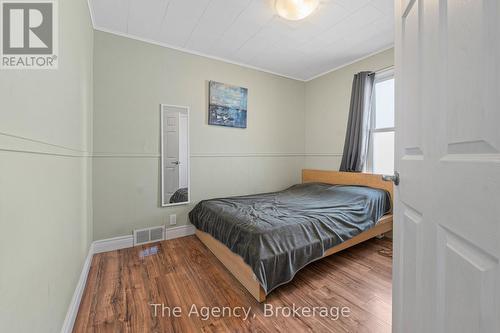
{"x": 123, "y": 242}
{"x": 105, "y": 245}
{"x": 180, "y": 231}
{"x": 112, "y": 244}
{"x": 69, "y": 321}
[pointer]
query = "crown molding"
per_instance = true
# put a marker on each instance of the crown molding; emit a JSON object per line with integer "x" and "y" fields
{"x": 350, "y": 63}
{"x": 91, "y": 13}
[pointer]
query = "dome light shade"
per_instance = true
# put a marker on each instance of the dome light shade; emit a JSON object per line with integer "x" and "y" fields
{"x": 296, "y": 9}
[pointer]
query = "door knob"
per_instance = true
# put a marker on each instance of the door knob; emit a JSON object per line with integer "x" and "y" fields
{"x": 394, "y": 178}
{"x": 176, "y": 162}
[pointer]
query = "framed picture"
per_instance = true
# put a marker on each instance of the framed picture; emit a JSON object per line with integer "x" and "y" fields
{"x": 227, "y": 105}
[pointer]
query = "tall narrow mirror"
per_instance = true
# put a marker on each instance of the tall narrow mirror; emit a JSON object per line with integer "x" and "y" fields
{"x": 174, "y": 155}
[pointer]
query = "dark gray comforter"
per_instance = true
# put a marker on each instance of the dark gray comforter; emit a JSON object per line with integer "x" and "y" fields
{"x": 279, "y": 233}
{"x": 181, "y": 195}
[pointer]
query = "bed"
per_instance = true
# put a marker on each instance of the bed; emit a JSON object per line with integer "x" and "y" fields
{"x": 265, "y": 239}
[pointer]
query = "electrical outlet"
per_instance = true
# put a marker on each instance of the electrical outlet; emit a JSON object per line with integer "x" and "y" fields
{"x": 173, "y": 219}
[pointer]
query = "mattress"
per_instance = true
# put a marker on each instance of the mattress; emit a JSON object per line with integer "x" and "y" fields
{"x": 278, "y": 233}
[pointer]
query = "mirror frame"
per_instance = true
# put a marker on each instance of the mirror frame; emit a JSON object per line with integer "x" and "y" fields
{"x": 162, "y": 163}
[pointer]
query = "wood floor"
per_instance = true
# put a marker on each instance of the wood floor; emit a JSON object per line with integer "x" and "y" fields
{"x": 182, "y": 272}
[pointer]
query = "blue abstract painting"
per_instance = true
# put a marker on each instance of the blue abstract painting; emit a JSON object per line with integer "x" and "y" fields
{"x": 227, "y": 105}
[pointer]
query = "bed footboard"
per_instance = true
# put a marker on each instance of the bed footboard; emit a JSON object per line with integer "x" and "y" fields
{"x": 234, "y": 263}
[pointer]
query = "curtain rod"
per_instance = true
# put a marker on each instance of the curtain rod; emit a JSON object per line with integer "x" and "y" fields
{"x": 382, "y": 70}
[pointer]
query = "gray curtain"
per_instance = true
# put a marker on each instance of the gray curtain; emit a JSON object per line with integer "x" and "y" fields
{"x": 357, "y": 136}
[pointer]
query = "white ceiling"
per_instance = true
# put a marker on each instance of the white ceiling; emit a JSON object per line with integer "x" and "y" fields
{"x": 250, "y": 33}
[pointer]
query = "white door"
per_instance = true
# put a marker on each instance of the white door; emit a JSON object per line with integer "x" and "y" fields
{"x": 183, "y": 150}
{"x": 171, "y": 154}
{"x": 447, "y": 226}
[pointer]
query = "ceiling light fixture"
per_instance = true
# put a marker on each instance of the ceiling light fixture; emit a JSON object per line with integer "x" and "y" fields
{"x": 296, "y": 9}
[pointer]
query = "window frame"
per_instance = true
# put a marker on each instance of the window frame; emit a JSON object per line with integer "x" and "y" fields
{"x": 379, "y": 77}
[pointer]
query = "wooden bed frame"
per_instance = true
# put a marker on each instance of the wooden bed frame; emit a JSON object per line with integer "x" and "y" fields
{"x": 241, "y": 271}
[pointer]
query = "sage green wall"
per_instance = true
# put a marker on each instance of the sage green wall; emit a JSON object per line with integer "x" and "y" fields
{"x": 45, "y": 207}
{"x": 131, "y": 79}
{"x": 327, "y": 102}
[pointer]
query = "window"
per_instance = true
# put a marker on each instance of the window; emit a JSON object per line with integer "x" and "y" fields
{"x": 381, "y": 148}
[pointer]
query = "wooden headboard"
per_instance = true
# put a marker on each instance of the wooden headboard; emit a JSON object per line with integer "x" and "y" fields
{"x": 347, "y": 178}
